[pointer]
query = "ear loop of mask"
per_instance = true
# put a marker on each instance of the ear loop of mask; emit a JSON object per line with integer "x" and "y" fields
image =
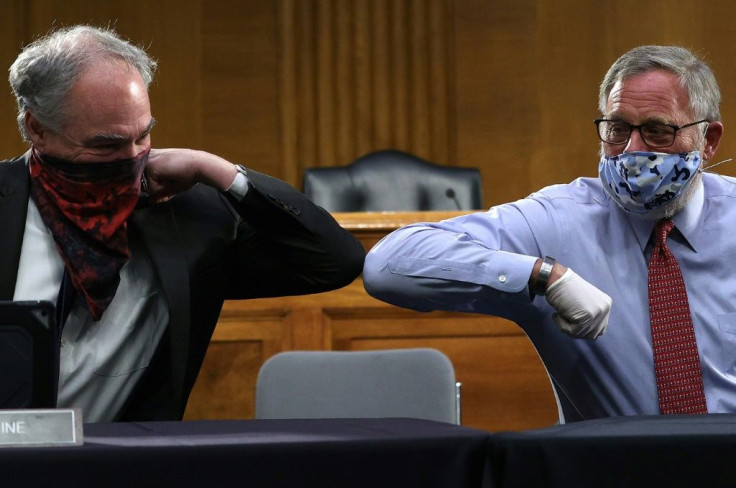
{"x": 706, "y": 168}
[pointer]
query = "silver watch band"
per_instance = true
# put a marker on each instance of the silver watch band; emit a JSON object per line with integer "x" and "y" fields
{"x": 540, "y": 285}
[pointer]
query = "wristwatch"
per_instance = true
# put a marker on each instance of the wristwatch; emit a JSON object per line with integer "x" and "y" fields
{"x": 241, "y": 169}
{"x": 540, "y": 285}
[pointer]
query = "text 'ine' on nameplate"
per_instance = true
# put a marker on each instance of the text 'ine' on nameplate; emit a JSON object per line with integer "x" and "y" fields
{"x": 39, "y": 427}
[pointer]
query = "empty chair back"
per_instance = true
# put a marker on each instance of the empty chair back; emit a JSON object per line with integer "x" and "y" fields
{"x": 392, "y": 180}
{"x": 413, "y": 383}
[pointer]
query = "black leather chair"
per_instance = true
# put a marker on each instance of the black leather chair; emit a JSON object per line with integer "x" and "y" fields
{"x": 391, "y": 180}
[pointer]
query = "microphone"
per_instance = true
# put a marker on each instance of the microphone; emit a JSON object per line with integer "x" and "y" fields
{"x": 450, "y": 193}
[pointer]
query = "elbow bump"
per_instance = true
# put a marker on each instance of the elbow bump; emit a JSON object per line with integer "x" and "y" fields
{"x": 371, "y": 279}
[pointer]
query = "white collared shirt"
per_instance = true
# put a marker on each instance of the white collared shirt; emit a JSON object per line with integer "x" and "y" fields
{"x": 100, "y": 362}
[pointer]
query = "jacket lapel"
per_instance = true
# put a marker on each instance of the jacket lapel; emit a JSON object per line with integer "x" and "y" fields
{"x": 14, "y": 191}
{"x": 156, "y": 227}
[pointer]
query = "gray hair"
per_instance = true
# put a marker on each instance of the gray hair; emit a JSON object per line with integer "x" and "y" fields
{"x": 44, "y": 72}
{"x": 695, "y": 76}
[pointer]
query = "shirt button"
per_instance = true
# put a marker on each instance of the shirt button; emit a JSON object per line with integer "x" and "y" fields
{"x": 63, "y": 343}
{"x": 502, "y": 278}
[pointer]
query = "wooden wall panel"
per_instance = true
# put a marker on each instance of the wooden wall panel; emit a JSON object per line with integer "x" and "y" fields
{"x": 12, "y": 37}
{"x": 496, "y": 105}
{"x": 239, "y": 84}
{"x": 360, "y": 75}
{"x": 226, "y": 385}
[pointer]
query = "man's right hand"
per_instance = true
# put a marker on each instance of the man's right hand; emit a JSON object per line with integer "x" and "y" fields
{"x": 170, "y": 171}
{"x": 582, "y": 309}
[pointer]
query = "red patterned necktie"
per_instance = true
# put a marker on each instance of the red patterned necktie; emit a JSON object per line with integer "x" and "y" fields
{"x": 676, "y": 361}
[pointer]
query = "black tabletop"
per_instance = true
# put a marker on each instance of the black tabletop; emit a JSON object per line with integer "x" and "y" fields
{"x": 262, "y": 453}
{"x": 646, "y": 451}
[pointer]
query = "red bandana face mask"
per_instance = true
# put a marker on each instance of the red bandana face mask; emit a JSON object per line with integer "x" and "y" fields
{"x": 86, "y": 206}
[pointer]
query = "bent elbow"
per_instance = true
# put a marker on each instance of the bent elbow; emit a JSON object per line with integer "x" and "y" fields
{"x": 352, "y": 267}
{"x": 377, "y": 278}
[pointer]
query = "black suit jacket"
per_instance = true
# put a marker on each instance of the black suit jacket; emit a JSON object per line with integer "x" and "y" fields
{"x": 205, "y": 248}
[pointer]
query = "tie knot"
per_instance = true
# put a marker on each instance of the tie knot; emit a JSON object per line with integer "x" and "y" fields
{"x": 663, "y": 229}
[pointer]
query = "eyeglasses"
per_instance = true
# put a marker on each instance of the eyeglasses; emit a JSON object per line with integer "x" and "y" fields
{"x": 654, "y": 134}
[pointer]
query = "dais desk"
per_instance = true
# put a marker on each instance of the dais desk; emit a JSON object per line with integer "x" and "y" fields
{"x": 645, "y": 451}
{"x": 355, "y": 453}
{"x": 505, "y": 386}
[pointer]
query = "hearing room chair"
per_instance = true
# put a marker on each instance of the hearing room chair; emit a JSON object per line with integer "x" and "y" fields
{"x": 413, "y": 383}
{"x": 391, "y": 180}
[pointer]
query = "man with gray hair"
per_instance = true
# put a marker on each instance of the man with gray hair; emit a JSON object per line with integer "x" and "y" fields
{"x": 670, "y": 329}
{"x": 139, "y": 247}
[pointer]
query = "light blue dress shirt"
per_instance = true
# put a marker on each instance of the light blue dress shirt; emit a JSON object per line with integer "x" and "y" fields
{"x": 482, "y": 262}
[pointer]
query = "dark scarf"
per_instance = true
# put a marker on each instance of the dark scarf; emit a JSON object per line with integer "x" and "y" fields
{"x": 86, "y": 206}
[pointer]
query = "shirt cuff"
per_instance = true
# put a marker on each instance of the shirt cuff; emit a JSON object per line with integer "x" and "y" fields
{"x": 239, "y": 187}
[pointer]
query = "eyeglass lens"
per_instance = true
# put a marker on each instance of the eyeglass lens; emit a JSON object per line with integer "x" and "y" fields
{"x": 652, "y": 133}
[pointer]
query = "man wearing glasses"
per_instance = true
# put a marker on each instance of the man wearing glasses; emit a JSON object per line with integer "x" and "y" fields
{"x": 648, "y": 242}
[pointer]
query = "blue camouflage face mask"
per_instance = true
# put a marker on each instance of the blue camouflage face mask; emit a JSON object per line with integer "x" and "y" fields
{"x": 642, "y": 181}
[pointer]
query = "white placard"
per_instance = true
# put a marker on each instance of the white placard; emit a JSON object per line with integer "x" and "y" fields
{"x": 38, "y": 427}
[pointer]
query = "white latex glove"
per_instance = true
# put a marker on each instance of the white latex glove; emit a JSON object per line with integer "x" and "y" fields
{"x": 582, "y": 309}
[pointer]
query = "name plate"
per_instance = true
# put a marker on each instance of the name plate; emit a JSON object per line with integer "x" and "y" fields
{"x": 38, "y": 427}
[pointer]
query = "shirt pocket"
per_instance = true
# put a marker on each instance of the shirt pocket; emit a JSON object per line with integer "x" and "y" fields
{"x": 128, "y": 345}
{"x": 131, "y": 356}
{"x": 727, "y": 327}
